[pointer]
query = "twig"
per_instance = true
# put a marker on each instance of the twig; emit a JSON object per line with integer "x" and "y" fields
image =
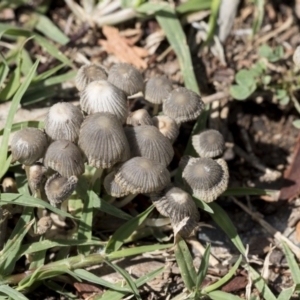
{"x": 215, "y": 97}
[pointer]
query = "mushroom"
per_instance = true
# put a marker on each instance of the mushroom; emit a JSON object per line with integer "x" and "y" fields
{"x": 183, "y": 105}
{"x": 63, "y": 122}
{"x": 127, "y": 78}
{"x": 207, "y": 178}
{"x": 44, "y": 224}
{"x": 139, "y": 117}
{"x": 102, "y": 96}
{"x": 65, "y": 158}
{"x": 28, "y": 145}
{"x": 36, "y": 176}
{"x": 103, "y": 141}
{"x": 89, "y": 73}
{"x": 167, "y": 126}
{"x": 112, "y": 187}
{"x": 209, "y": 143}
{"x": 147, "y": 141}
{"x": 59, "y": 189}
{"x": 142, "y": 175}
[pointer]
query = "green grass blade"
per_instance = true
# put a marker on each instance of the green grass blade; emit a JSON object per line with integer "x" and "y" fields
{"x": 60, "y": 289}
{"x": 12, "y": 85}
{"x": 203, "y": 268}
{"x": 4, "y": 70}
{"x": 287, "y": 293}
{"x": 170, "y": 24}
{"x": 259, "y": 15}
{"x": 48, "y": 73}
{"x": 224, "y": 279}
{"x": 12, "y": 293}
{"x": 121, "y": 234}
{"x": 14, "y": 106}
{"x": 215, "y": 5}
{"x": 248, "y": 191}
{"x": 219, "y": 295}
{"x": 224, "y": 222}
{"x": 201, "y": 204}
{"x": 26, "y": 62}
{"x": 150, "y": 8}
{"x": 21, "y": 125}
{"x": 193, "y": 5}
{"x": 185, "y": 264}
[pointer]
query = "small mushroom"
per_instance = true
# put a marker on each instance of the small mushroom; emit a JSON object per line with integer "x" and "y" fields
{"x": 103, "y": 141}
{"x": 127, "y": 78}
{"x": 142, "y": 175}
{"x": 209, "y": 143}
{"x": 28, "y": 145}
{"x": 167, "y": 126}
{"x": 89, "y": 73}
{"x": 63, "y": 122}
{"x": 183, "y": 105}
{"x": 43, "y": 225}
{"x": 59, "y": 189}
{"x": 102, "y": 96}
{"x": 65, "y": 158}
{"x": 139, "y": 117}
{"x": 147, "y": 141}
{"x": 207, "y": 178}
{"x": 36, "y": 176}
{"x": 112, "y": 187}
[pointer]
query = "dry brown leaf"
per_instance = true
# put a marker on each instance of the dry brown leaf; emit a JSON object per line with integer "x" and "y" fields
{"x": 117, "y": 45}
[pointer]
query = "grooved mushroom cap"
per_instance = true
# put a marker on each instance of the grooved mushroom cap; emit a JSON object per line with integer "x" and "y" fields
{"x": 28, "y": 145}
{"x": 139, "y": 117}
{"x": 147, "y": 141}
{"x": 209, "y": 143}
{"x": 183, "y": 105}
{"x": 127, "y": 78}
{"x": 89, "y": 73}
{"x": 157, "y": 89}
{"x": 103, "y": 141}
{"x": 112, "y": 188}
{"x": 142, "y": 175}
{"x": 63, "y": 122}
{"x": 37, "y": 175}
{"x": 176, "y": 204}
{"x": 65, "y": 158}
{"x": 206, "y": 177}
{"x": 102, "y": 96}
{"x": 167, "y": 126}
{"x": 59, "y": 189}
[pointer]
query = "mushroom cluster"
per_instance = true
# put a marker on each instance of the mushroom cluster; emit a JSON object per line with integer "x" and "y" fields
{"x": 134, "y": 148}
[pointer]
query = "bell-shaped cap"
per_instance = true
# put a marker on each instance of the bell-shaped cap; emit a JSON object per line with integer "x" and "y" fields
{"x": 127, "y": 78}
{"x": 147, "y": 141}
{"x": 102, "y": 96}
{"x": 183, "y": 105}
{"x": 44, "y": 224}
{"x": 65, "y": 158}
{"x": 112, "y": 187}
{"x": 103, "y": 141}
{"x": 142, "y": 175}
{"x": 59, "y": 189}
{"x": 139, "y": 117}
{"x": 89, "y": 73}
{"x": 167, "y": 126}
{"x": 207, "y": 178}
{"x": 209, "y": 143}
{"x": 37, "y": 175}
{"x": 157, "y": 89}
{"x": 63, "y": 122}
{"x": 28, "y": 145}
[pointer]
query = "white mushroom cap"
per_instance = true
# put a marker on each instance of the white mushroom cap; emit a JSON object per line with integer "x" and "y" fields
{"x": 142, "y": 175}
{"x": 206, "y": 177}
{"x": 102, "y": 96}
{"x": 127, "y": 78}
{"x": 147, "y": 141}
{"x": 89, "y": 73}
{"x": 167, "y": 126}
{"x": 183, "y": 105}
{"x": 103, "y": 141}
{"x": 139, "y": 117}
{"x": 63, "y": 122}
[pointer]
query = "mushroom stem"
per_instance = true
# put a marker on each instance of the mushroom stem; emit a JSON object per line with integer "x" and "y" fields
{"x": 97, "y": 174}
{"x": 155, "y": 109}
{"x": 125, "y": 201}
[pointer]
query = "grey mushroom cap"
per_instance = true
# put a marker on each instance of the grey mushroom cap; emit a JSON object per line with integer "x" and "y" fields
{"x": 28, "y": 145}
{"x": 112, "y": 187}
{"x": 37, "y": 175}
{"x": 103, "y": 141}
{"x": 89, "y": 73}
{"x": 157, "y": 89}
{"x": 102, "y": 96}
{"x": 63, "y": 122}
{"x": 142, "y": 175}
{"x": 207, "y": 178}
{"x": 127, "y": 78}
{"x": 65, "y": 158}
{"x": 59, "y": 189}
{"x": 183, "y": 105}
{"x": 167, "y": 126}
{"x": 147, "y": 141}
{"x": 139, "y": 117}
{"x": 209, "y": 143}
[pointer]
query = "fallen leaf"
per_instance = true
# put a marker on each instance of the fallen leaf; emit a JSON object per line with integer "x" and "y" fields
{"x": 87, "y": 290}
{"x": 237, "y": 283}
